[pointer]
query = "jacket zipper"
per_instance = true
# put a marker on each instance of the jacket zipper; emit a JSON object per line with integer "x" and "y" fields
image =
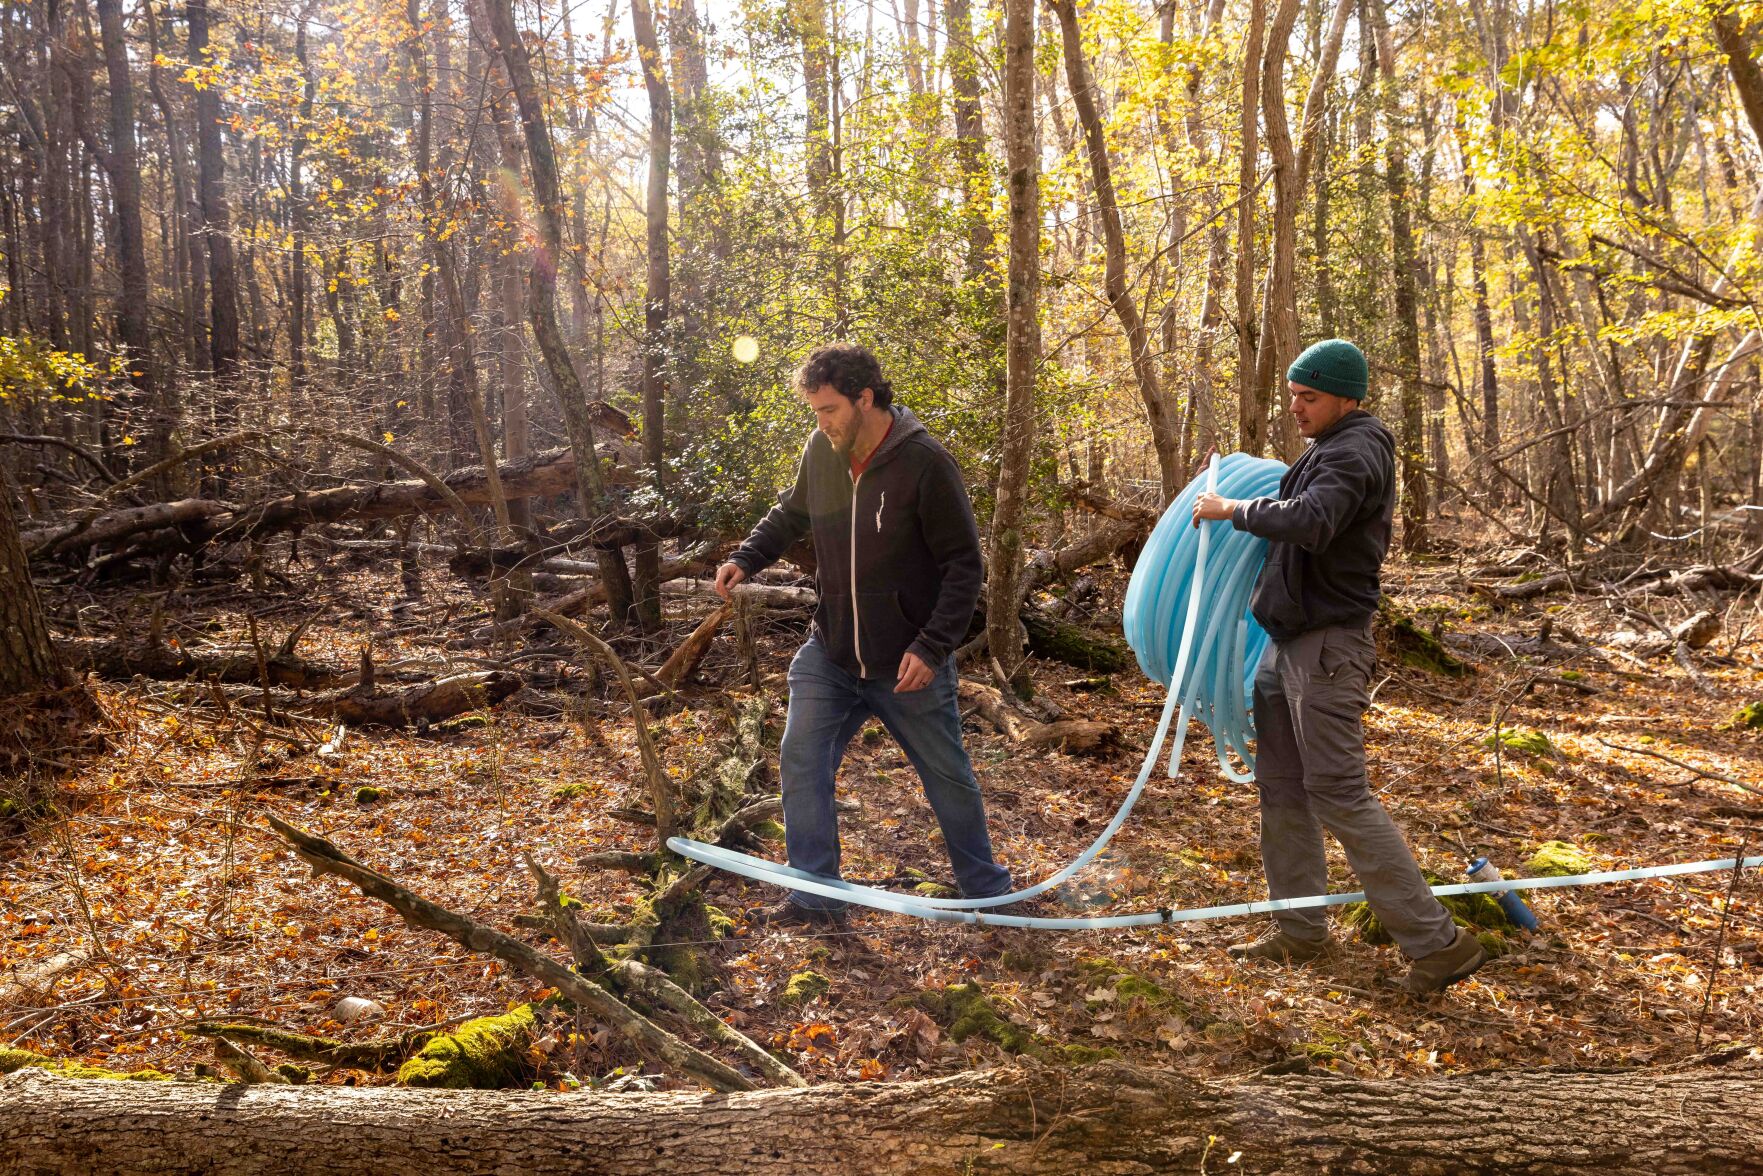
{"x": 856, "y": 624}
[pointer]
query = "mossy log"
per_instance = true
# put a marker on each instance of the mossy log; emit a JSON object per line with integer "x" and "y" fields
{"x": 14, "y": 1060}
{"x": 485, "y": 1053}
{"x": 1064, "y": 642}
{"x": 383, "y": 1054}
{"x": 1414, "y": 646}
{"x": 650, "y": 1039}
{"x": 1108, "y": 1119}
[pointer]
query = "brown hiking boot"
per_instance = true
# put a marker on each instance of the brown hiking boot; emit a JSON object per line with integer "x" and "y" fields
{"x": 1279, "y": 947}
{"x": 1432, "y": 973}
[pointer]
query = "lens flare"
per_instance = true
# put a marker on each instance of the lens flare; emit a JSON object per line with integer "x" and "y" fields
{"x": 746, "y": 349}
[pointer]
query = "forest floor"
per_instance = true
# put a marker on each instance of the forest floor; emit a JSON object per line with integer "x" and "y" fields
{"x": 161, "y": 875}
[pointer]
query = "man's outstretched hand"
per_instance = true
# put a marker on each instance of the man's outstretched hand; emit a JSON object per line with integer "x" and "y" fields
{"x": 727, "y": 576}
{"x": 914, "y": 674}
{"x": 1213, "y": 506}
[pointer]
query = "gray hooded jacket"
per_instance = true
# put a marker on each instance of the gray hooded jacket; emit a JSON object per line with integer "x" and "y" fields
{"x": 1329, "y": 531}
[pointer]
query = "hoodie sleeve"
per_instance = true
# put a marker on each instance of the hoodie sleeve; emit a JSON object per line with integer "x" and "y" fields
{"x": 1345, "y": 475}
{"x": 781, "y": 527}
{"x": 945, "y": 516}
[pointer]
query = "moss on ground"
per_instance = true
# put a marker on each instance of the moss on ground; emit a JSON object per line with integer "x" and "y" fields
{"x": 804, "y": 987}
{"x": 1557, "y": 859}
{"x": 367, "y": 794}
{"x": 768, "y": 830}
{"x": 488, "y": 1053}
{"x": 722, "y": 925}
{"x": 1748, "y": 717}
{"x": 1416, "y": 647}
{"x": 1129, "y": 986}
{"x": 1479, "y": 914}
{"x": 569, "y": 791}
{"x": 18, "y": 1059}
{"x": 966, "y": 1011}
{"x": 1523, "y": 741}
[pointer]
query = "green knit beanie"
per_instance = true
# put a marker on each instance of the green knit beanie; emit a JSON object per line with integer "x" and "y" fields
{"x": 1333, "y": 365}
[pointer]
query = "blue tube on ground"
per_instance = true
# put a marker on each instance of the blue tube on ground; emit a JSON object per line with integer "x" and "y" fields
{"x": 1517, "y": 910}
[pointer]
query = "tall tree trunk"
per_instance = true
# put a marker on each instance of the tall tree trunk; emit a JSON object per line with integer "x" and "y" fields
{"x": 124, "y": 168}
{"x": 914, "y": 50}
{"x": 1413, "y": 431}
{"x": 1252, "y": 404}
{"x": 1202, "y": 386}
{"x": 1022, "y": 330}
{"x": 970, "y": 135}
{"x": 655, "y": 301}
{"x": 1488, "y": 365}
{"x": 1164, "y": 436}
{"x": 298, "y": 286}
{"x": 1278, "y": 338}
{"x": 1747, "y": 76}
{"x": 542, "y": 297}
{"x": 27, "y": 656}
{"x": 223, "y": 282}
{"x": 817, "y": 70}
{"x": 188, "y": 249}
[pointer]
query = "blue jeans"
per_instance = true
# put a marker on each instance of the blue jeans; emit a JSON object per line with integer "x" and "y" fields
{"x": 829, "y": 705}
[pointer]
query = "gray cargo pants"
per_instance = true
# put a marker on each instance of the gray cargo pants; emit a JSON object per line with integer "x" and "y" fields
{"x": 1310, "y": 694}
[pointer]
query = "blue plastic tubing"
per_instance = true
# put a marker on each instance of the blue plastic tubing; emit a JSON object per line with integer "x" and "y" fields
{"x": 1208, "y": 663}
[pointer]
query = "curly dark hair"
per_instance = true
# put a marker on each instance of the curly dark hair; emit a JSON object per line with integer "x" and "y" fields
{"x": 849, "y": 368}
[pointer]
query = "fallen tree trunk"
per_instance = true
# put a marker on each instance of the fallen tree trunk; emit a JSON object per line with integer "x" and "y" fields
{"x": 417, "y": 705}
{"x": 230, "y": 663}
{"x": 1739, "y": 577}
{"x": 1106, "y": 1119}
{"x": 1071, "y": 735}
{"x": 426, "y": 702}
{"x": 195, "y": 521}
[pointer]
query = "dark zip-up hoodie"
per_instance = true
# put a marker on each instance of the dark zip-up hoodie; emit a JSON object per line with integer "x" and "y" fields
{"x": 897, "y": 548}
{"x": 1329, "y": 530}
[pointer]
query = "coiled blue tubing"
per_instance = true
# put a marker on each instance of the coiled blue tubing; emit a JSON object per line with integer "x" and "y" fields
{"x": 1210, "y": 673}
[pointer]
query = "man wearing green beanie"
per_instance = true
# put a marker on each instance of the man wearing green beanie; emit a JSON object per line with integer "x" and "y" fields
{"x": 1328, "y": 532}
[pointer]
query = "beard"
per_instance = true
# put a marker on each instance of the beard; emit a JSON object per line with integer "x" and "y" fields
{"x": 842, "y": 442}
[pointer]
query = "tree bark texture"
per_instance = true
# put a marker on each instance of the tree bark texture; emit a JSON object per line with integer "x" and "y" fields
{"x": 970, "y": 134}
{"x": 27, "y": 657}
{"x": 1412, "y": 435}
{"x": 1022, "y": 329}
{"x": 1164, "y": 436}
{"x": 1747, "y": 76}
{"x": 1102, "y": 1120}
{"x": 1252, "y": 406}
{"x": 1277, "y": 340}
{"x": 124, "y": 167}
{"x": 542, "y": 290}
{"x": 656, "y": 295}
{"x": 223, "y": 283}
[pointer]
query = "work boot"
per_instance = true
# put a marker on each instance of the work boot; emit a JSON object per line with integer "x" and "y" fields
{"x": 788, "y": 915}
{"x": 1432, "y": 973}
{"x": 1279, "y": 947}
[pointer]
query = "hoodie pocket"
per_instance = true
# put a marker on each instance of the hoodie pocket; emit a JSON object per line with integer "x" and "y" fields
{"x": 833, "y": 618}
{"x": 886, "y": 631}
